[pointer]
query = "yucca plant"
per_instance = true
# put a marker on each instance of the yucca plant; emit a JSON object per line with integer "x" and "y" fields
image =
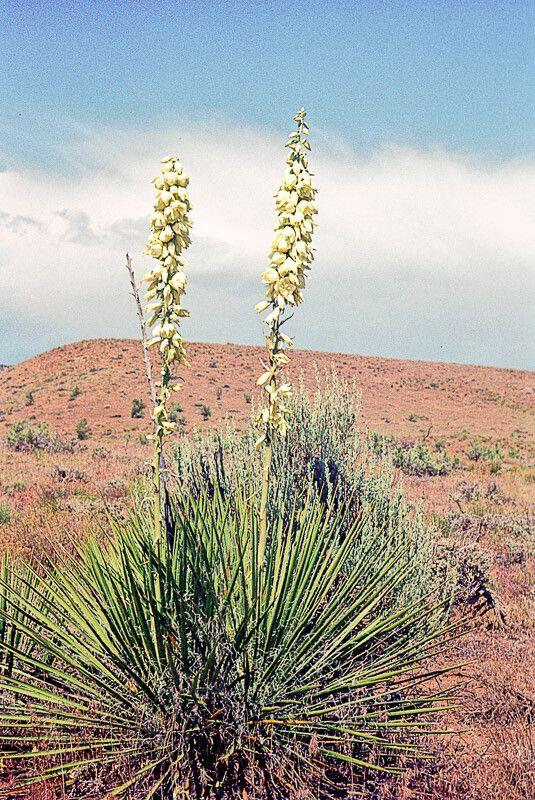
{"x": 247, "y": 654}
{"x": 224, "y": 683}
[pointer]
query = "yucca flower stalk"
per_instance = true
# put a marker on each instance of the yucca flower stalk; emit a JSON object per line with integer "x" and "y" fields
{"x": 290, "y": 257}
{"x": 166, "y": 281}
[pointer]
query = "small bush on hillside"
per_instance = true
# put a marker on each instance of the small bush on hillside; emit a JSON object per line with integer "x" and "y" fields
{"x": 418, "y": 459}
{"x": 30, "y": 400}
{"x": 101, "y": 453}
{"x": 75, "y": 392}
{"x": 413, "y": 459}
{"x": 206, "y": 412}
{"x": 5, "y": 513}
{"x": 82, "y": 429}
{"x": 138, "y": 409}
{"x": 479, "y": 451}
{"x": 23, "y": 437}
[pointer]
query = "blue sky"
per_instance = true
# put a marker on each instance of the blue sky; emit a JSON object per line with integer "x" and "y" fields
{"x": 444, "y": 89}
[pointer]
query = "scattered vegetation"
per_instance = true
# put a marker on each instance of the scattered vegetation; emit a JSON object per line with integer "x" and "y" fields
{"x": 82, "y": 429}
{"x": 175, "y": 413}
{"x": 23, "y": 437}
{"x": 5, "y": 513}
{"x": 205, "y": 412}
{"x": 413, "y": 459}
{"x": 479, "y": 451}
{"x": 138, "y": 409}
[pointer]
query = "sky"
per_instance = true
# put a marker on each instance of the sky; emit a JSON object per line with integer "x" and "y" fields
{"x": 422, "y": 120}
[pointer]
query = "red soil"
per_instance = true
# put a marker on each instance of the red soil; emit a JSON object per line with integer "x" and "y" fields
{"x": 109, "y": 373}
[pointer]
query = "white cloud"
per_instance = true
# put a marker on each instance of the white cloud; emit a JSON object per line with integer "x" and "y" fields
{"x": 420, "y": 226}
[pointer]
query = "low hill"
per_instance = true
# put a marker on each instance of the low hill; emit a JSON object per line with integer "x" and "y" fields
{"x": 98, "y": 379}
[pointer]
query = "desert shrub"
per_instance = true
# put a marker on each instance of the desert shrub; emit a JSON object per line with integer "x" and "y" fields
{"x": 5, "y": 513}
{"x": 16, "y": 486}
{"x": 412, "y": 459}
{"x": 101, "y": 453}
{"x": 418, "y": 459}
{"x": 30, "y": 399}
{"x": 75, "y": 392}
{"x": 325, "y": 448}
{"x": 206, "y": 412}
{"x": 82, "y": 429}
{"x": 192, "y": 670}
{"x": 138, "y": 409}
{"x": 479, "y": 451}
{"x": 21, "y": 436}
{"x": 69, "y": 474}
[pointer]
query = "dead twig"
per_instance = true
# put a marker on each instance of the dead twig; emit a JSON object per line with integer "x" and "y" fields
{"x": 141, "y": 318}
{"x": 152, "y": 390}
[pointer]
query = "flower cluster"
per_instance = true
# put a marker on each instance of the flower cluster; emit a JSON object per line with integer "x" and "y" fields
{"x": 290, "y": 257}
{"x": 166, "y": 281}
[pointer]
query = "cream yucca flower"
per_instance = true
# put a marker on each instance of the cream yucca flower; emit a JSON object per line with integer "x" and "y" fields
{"x": 290, "y": 258}
{"x": 166, "y": 281}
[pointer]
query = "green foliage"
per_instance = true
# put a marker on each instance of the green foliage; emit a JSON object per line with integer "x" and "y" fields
{"x": 30, "y": 400}
{"x": 193, "y": 671}
{"x": 5, "y": 513}
{"x": 82, "y": 429}
{"x": 75, "y": 392}
{"x": 412, "y": 459}
{"x": 138, "y": 409}
{"x": 325, "y": 447}
{"x": 479, "y": 451}
{"x": 206, "y": 412}
{"x": 23, "y": 437}
{"x": 418, "y": 459}
{"x": 22, "y": 596}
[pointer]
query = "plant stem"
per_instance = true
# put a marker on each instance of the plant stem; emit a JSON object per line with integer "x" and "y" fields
{"x": 266, "y": 466}
{"x": 159, "y": 472}
{"x": 274, "y": 345}
{"x": 141, "y": 318}
{"x": 156, "y": 488}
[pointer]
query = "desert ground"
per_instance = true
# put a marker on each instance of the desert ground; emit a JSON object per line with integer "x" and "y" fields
{"x": 482, "y": 417}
